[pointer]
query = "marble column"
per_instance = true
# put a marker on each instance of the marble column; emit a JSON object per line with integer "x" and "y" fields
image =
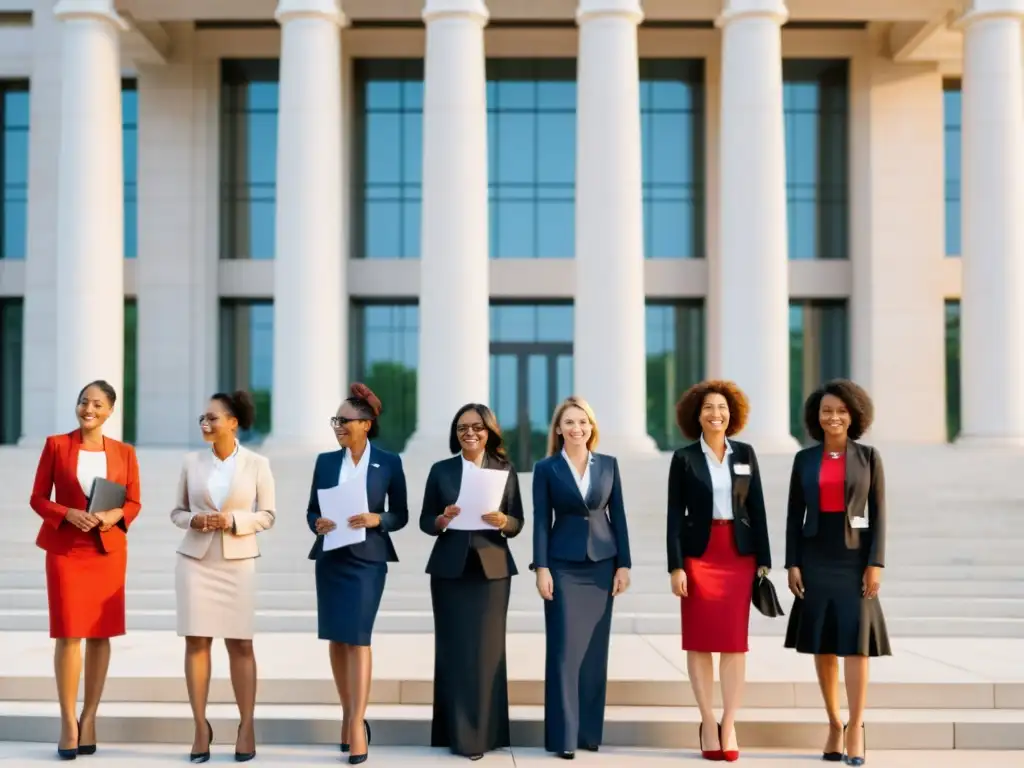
{"x": 753, "y": 262}
{"x": 992, "y": 310}
{"x": 90, "y": 207}
{"x": 608, "y": 347}
{"x": 454, "y": 360}
{"x": 310, "y": 299}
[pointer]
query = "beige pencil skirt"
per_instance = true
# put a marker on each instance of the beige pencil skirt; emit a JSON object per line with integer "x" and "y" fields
{"x": 216, "y": 597}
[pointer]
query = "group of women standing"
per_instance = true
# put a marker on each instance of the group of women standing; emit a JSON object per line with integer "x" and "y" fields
{"x": 717, "y": 546}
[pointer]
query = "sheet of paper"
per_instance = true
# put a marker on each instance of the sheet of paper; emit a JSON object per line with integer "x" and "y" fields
{"x": 339, "y": 504}
{"x": 480, "y": 493}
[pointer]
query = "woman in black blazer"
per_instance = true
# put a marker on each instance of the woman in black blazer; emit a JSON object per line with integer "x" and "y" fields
{"x": 470, "y": 580}
{"x": 717, "y": 541}
{"x": 350, "y": 580}
{"x": 835, "y": 552}
{"x": 581, "y": 555}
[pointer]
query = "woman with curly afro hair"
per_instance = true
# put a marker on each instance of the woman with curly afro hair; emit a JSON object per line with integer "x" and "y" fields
{"x": 350, "y": 579}
{"x": 835, "y": 552}
{"x": 717, "y": 541}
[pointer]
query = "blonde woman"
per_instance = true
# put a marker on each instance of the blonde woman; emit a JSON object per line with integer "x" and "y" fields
{"x": 581, "y": 556}
{"x": 225, "y": 497}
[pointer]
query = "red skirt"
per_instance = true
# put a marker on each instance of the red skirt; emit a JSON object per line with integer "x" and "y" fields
{"x": 85, "y": 591}
{"x": 716, "y": 611}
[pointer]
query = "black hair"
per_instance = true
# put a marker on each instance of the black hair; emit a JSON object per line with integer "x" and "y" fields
{"x": 854, "y": 397}
{"x": 495, "y": 445}
{"x": 367, "y": 405}
{"x": 240, "y": 405}
{"x": 102, "y": 386}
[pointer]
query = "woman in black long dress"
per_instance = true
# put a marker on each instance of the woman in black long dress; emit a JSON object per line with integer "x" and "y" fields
{"x": 835, "y": 553}
{"x": 470, "y": 579}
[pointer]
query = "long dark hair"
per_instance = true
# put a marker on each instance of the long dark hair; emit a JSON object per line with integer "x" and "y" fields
{"x": 495, "y": 445}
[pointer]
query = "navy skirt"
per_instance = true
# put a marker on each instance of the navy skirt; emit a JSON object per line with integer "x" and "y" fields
{"x": 348, "y": 593}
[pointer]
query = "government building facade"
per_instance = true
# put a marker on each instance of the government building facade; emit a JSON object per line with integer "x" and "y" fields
{"x": 508, "y": 201}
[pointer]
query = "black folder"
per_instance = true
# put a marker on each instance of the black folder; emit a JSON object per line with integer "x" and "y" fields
{"x": 106, "y": 495}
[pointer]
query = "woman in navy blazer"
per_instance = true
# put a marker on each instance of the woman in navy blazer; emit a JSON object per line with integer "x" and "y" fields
{"x": 350, "y": 580}
{"x": 581, "y": 556}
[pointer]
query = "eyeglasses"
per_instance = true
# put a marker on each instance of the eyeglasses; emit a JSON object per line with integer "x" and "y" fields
{"x": 208, "y": 418}
{"x": 464, "y": 428}
{"x": 341, "y": 421}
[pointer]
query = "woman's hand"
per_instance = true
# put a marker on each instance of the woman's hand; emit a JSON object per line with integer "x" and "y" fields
{"x": 365, "y": 520}
{"x": 450, "y": 513}
{"x": 621, "y": 581}
{"x": 545, "y": 584}
{"x": 497, "y": 519}
{"x": 872, "y": 581}
{"x": 323, "y": 525}
{"x": 796, "y": 583}
{"x": 225, "y": 521}
{"x": 82, "y": 520}
{"x": 109, "y": 518}
{"x": 679, "y": 582}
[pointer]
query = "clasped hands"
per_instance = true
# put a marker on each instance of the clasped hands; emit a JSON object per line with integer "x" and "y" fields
{"x": 364, "y": 520}
{"x": 221, "y": 521}
{"x": 86, "y": 521}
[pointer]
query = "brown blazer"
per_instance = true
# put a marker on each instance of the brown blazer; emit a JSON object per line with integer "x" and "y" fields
{"x": 250, "y": 500}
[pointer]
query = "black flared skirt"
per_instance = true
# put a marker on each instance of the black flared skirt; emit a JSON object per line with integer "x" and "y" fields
{"x": 470, "y": 673}
{"x": 834, "y": 617}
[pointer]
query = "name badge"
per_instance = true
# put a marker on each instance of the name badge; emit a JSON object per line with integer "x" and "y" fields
{"x": 741, "y": 469}
{"x": 859, "y": 523}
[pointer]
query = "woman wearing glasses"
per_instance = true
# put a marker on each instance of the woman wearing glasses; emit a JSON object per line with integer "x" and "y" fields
{"x": 225, "y": 497}
{"x": 350, "y": 580}
{"x": 470, "y": 581}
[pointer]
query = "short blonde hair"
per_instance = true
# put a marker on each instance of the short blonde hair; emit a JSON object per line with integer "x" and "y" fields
{"x": 555, "y": 440}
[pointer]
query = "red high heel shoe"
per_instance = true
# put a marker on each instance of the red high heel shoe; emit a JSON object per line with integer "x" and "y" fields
{"x": 729, "y": 755}
{"x": 708, "y": 754}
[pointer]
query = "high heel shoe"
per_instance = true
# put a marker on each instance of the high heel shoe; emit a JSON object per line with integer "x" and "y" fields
{"x": 69, "y": 754}
{"x": 709, "y": 754}
{"x": 729, "y": 755}
{"x": 84, "y": 749}
{"x": 202, "y": 757}
{"x": 835, "y": 757}
{"x": 243, "y": 757}
{"x": 857, "y": 760}
{"x": 357, "y": 759}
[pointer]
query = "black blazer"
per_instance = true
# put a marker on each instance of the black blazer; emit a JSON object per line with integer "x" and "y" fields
{"x": 865, "y": 492}
{"x": 448, "y": 557}
{"x": 691, "y": 505}
{"x": 569, "y": 527}
{"x": 385, "y": 479}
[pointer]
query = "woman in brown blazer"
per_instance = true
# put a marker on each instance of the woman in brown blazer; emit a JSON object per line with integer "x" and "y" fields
{"x": 225, "y": 497}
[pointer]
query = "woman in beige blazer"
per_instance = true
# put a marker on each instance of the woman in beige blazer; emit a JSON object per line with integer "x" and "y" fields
{"x": 225, "y": 497}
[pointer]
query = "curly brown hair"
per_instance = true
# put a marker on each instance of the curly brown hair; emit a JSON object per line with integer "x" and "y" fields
{"x": 854, "y": 397}
{"x": 689, "y": 406}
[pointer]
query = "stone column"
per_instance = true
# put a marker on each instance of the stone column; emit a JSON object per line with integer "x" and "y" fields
{"x": 609, "y": 351}
{"x": 992, "y": 310}
{"x": 454, "y": 305}
{"x": 310, "y": 300}
{"x": 753, "y": 263}
{"x": 90, "y": 207}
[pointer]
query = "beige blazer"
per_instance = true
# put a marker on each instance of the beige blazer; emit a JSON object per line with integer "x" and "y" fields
{"x": 250, "y": 500}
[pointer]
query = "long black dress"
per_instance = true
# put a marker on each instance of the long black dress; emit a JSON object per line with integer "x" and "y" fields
{"x": 470, "y": 581}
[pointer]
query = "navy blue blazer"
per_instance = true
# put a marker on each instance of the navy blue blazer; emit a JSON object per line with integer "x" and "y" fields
{"x": 569, "y": 527}
{"x": 385, "y": 479}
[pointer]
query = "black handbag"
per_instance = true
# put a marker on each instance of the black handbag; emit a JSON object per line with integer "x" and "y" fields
{"x": 765, "y": 599}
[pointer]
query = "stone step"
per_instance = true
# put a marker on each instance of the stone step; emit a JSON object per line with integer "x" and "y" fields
{"x": 409, "y": 725}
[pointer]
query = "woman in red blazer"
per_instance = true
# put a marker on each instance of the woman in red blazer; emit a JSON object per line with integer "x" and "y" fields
{"x": 86, "y": 557}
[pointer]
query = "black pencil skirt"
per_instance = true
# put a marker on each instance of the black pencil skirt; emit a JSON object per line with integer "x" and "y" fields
{"x": 470, "y": 673}
{"x": 834, "y": 618}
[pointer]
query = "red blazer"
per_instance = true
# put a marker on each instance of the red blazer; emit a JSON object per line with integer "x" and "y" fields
{"x": 58, "y": 467}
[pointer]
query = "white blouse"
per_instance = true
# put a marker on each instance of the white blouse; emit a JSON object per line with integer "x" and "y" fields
{"x": 721, "y": 481}
{"x": 91, "y": 464}
{"x": 222, "y": 472}
{"x": 583, "y": 483}
{"x": 350, "y": 469}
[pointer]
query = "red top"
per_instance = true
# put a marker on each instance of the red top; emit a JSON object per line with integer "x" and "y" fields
{"x": 832, "y": 484}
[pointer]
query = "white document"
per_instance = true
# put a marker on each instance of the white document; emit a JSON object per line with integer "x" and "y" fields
{"x": 480, "y": 493}
{"x": 339, "y": 504}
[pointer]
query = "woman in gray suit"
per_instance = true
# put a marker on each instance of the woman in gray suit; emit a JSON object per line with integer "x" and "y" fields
{"x": 225, "y": 497}
{"x": 581, "y": 556}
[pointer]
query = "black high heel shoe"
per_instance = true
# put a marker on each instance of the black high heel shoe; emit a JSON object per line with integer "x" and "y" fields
{"x": 858, "y": 760}
{"x": 244, "y": 757}
{"x": 202, "y": 757}
{"x": 357, "y": 759}
{"x": 835, "y": 757}
{"x": 84, "y": 749}
{"x": 68, "y": 754}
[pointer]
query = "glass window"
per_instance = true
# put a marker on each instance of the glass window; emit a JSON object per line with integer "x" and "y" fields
{"x": 672, "y": 130}
{"x": 13, "y": 169}
{"x": 130, "y": 139}
{"x": 130, "y": 396}
{"x": 389, "y": 102}
{"x": 385, "y": 355}
{"x": 952, "y": 368}
{"x": 819, "y": 350}
{"x": 952, "y": 105}
{"x": 247, "y": 355}
{"x": 249, "y": 97}
{"x": 531, "y": 115}
{"x": 675, "y": 362}
{"x": 816, "y": 96}
{"x": 11, "y": 334}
